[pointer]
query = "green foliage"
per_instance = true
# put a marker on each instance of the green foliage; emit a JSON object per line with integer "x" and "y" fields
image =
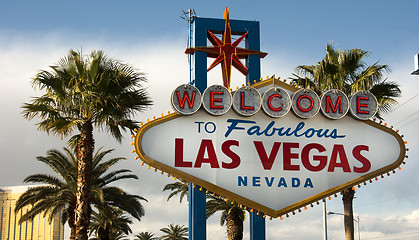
{"x": 59, "y": 192}
{"x": 146, "y": 236}
{"x": 215, "y": 204}
{"x": 92, "y": 88}
{"x": 110, "y": 224}
{"x": 176, "y": 188}
{"x": 174, "y": 232}
{"x": 346, "y": 70}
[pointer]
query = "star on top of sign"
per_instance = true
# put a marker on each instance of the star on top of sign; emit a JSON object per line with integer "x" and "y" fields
{"x": 226, "y": 52}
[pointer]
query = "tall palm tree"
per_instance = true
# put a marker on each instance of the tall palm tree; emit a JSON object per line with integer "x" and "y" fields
{"x": 108, "y": 225}
{"x": 174, "y": 232}
{"x": 146, "y": 236}
{"x": 231, "y": 214}
{"x": 346, "y": 70}
{"x": 59, "y": 192}
{"x": 83, "y": 92}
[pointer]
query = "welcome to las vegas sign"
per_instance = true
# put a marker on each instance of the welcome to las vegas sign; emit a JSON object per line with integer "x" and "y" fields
{"x": 274, "y": 164}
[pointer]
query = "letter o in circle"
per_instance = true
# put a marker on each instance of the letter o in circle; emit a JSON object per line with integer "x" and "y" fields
{"x": 305, "y": 103}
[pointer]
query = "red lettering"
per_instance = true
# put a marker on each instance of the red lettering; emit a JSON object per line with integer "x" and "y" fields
{"x": 344, "y": 164}
{"x": 305, "y": 109}
{"x": 206, "y": 146}
{"x": 213, "y": 100}
{"x": 306, "y": 161}
{"x": 334, "y": 108}
{"x": 359, "y": 105}
{"x": 235, "y": 159}
{"x": 288, "y": 156}
{"x": 366, "y": 164}
{"x": 267, "y": 162}
{"x": 270, "y": 104}
{"x": 186, "y": 98}
{"x": 179, "y": 154}
{"x": 242, "y": 106}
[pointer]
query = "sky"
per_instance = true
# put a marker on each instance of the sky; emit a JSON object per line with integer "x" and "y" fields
{"x": 151, "y": 36}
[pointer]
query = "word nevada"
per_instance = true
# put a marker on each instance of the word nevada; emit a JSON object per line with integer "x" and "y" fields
{"x": 275, "y": 102}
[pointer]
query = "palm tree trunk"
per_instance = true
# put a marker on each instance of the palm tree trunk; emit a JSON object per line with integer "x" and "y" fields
{"x": 347, "y": 198}
{"x": 234, "y": 226}
{"x": 84, "y": 155}
{"x": 72, "y": 233}
{"x": 71, "y": 222}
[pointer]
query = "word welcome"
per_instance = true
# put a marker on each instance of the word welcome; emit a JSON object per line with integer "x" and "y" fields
{"x": 275, "y": 102}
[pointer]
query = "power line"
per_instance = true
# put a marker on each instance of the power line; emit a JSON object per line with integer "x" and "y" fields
{"x": 407, "y": 117}
{"x": 414, "y": 120}
{"x": 410, "y": 99}
{"x": 336, "y": 234}
{"x": 390, "y": 220}
{"x": 387, "y": 200}
{"x": 392, "y": 235}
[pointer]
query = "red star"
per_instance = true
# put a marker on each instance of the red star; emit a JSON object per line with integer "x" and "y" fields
{"x": 226, "y": 52}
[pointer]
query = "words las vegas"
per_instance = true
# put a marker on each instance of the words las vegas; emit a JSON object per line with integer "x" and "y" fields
{"x": 275, "y": 103}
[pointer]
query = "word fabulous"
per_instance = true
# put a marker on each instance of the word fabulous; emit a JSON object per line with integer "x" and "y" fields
{"x": 275, "y": 102}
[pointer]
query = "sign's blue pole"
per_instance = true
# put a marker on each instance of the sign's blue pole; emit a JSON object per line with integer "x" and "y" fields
{"x": 197, "y": 199}
{"x": 257, "y": 226}
{"x": 197, "y": 220}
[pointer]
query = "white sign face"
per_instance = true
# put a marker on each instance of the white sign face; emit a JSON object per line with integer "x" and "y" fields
{"x": 275, "y": 165}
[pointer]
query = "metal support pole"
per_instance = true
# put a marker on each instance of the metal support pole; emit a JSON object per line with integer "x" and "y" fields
{"x": 197, "y": 218}
{"x": 324, "y": 221}
{"x": 257, "y": 226}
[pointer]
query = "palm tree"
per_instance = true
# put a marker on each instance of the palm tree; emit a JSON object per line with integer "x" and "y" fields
{"x": 59, "y": 193}
{"x": 82, "y": 92}
{"x": 174, "y": 232}
{"x": 146, "y": 236}
{"x": 181, "y": 188}
{"x": 231, "y": 213}
{"x": 109, "y": 225}
{"x": 346, "y": 70}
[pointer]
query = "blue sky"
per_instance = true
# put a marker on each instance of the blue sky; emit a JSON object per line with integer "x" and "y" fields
{"x": 151, "y": 36}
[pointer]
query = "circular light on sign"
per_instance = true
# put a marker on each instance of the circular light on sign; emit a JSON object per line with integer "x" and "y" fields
{"x": 276, "y": 102}
{"x": 305, "y": 103}
{"x": 246, "y": 101}
{"x": 363, "y": 105}
{"x": 216, "y": 100}
{"x": 186, "y": 99}
{"x": 334, "y": 104}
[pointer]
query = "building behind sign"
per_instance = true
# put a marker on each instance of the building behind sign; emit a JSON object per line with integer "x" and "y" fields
{"x": 39, "y": 228}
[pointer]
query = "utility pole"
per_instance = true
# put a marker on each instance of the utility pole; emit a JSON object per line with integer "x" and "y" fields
{"x": 324, "y": 220}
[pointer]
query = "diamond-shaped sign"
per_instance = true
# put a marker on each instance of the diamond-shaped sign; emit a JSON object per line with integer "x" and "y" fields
{"x": 274, "y": 165}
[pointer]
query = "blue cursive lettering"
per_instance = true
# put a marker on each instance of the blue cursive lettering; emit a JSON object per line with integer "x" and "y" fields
{"x": 299, "y": 130}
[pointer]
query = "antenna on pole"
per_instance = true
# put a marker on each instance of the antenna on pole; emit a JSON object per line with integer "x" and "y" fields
{"x": 188, "y": 16}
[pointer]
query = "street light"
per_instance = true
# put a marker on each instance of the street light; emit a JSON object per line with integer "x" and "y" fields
{"x": 356, "y": 220}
